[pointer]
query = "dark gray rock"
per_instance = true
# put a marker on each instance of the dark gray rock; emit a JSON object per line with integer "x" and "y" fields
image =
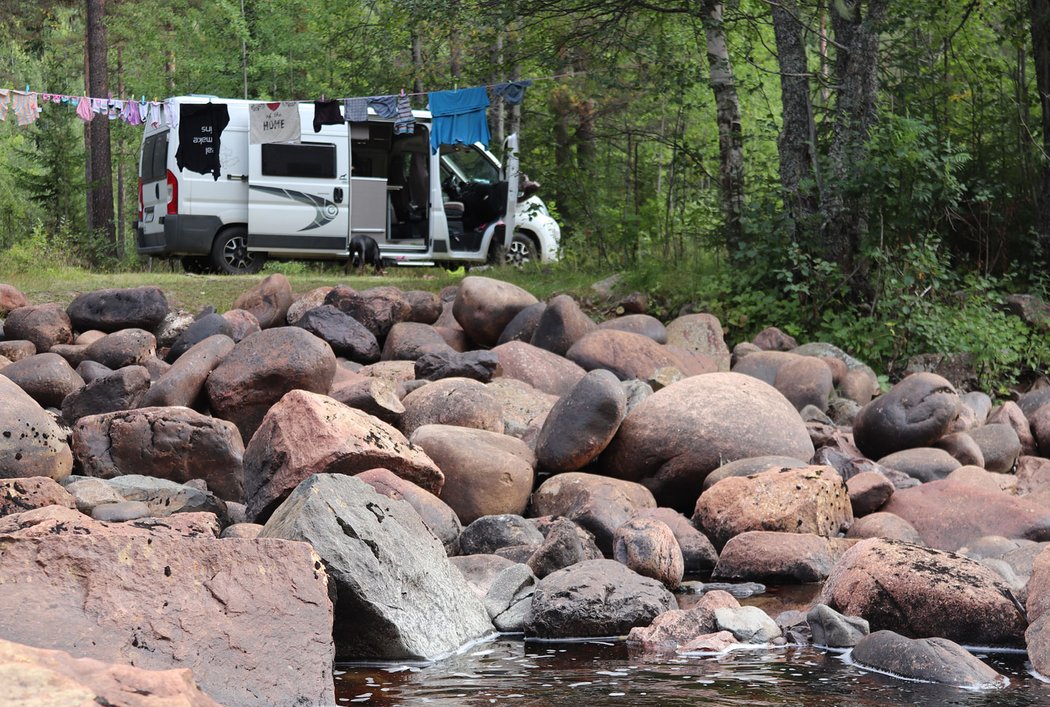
{"x": 581, "y": 423}
{"x": 47, "y": 378}
{"x": 509, "y": 597}
{"x": 476, "y": 365}
{"x": 120, "y": 390}
{"x": 397, "y": 595}
{"x": 914, "y": 413}
{"x": 922, "y": 463}
{"x": 127, "y": 347}
{"x": 347, "y": 336}
{"x": 488, "y": 534}
{"x": 207, "y": 325}
{"x": 936, "y": 660}
{"x": 832, "y": 629}
{"x": 523, "y": 325}
{"x": 564, "y": 544}
{"x": 999, "y": 445}
{"x": 114, "y": 309}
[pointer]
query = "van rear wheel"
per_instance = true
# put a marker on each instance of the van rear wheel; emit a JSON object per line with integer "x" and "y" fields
{"x": 230, "y": 256}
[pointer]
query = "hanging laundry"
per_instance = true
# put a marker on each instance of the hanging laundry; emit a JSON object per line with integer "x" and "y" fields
{"x": 84, "y": 111}
{"x": 171, "y": 112}
{"x": 405, "y": 124}
{"x": 384, "y": 106}
{"x": 130, "y": 113}
{"x": 513, "y": 92}
{"x": 355, "y": 110}
{"x": 100, "y": 105}
{"x": 5, "y": 100}
{"x": 114, "y": 109}
{"x": 459, "y": 117}
{"x": 156, "y": 114}
{"x": 274, "y": 122}
{"x": 25, "y": 107}
{"x": 200, "y": 130}
{"x": 326, "y": 113}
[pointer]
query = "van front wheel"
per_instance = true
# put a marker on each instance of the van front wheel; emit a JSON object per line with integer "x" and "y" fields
{"x": 230, "y": 256}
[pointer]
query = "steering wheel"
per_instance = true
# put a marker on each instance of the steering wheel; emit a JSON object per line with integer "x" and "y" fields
{"x": 453, "y": 186}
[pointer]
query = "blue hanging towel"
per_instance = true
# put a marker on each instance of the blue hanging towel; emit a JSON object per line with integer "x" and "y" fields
{"x": 459, "y": 116}
{"x": 513, "y": 92}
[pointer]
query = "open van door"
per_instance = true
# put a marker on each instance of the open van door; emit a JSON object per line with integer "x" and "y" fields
{"x": 299, "y": 196}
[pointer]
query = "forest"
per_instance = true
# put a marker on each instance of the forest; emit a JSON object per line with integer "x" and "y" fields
{"x": 872, "y": 173}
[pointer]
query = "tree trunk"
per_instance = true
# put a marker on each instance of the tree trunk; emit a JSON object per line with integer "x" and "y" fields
{"x": 1041, "y": 56}
{"x": 100, "y": 186}
{"x": 727, "y": 115}
{"x": 856, "y": 75}
{"x": 799, "y": 169}
{"x": 417, "y": 61}
{"x": 560, "y": 104}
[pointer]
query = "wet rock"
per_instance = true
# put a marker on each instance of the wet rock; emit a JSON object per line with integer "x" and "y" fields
{"x": 488, "y": 534}
{"x": 583, "y": 421}
{"x": 673, "y": 629}
{"x": 396, "y": 595}
{"x": 10, "y": 298}
{"x": 452, "y": 401}
{"x": 698, "y": 553}
{"x": 648, "y": 547}
{"x": 47, "y": 378}
{"x": 868, "y": 492}
{"x": 183, "y": 383}
{"x": 541, "y": 369}
{"x": 594, "y": 598}
{"x": 709, "y": 644}
{"x": 268, "y": 301}
{"x": 950, "y": 514}
{"x": 262, "y": 368}
{"x": 475, "y": 365}
{"x": 1000, "y": 446}
{"x": 643, "y": 324}
{"x": 306, "y": 434}
{"x": 43, "y": 324}
{"x": 888, "y": 526}
{"x": 31, "y": 442}
{"x": 673, "y": 439}
{"x": 915, "y": 413}
{"x": 484, "y": 307}
{"x": 936, "y": 660}
{"x": 47, "y": 677}
{"x": 778, "y": 557}
{"x": 922, "y": 463}
{"x": 347, "y": 337}
{"x": 830, "y": 628}
{"x": 922, "y": 592}
{"x": 485, "y": 473}
{"x": 561, "y": 325}
{"x": 439, "y": 518}
{"x": 509, "y": 598}
{"x": 111, "y": 310}
{"x": 18, "y": 495}
{"x": 120, "y": 390}
{"x": 809, "y": 500}
{"x": 748, "y": 624}
{"x": 564, "y": 544}
{"x": 173, "y": 443}
{"x": 596, "y": 503}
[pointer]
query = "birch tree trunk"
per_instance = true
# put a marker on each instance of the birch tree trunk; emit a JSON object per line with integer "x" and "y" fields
{"x": 727, "y": 112}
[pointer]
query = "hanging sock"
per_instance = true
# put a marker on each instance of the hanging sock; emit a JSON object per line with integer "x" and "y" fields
{"x": 84, "y": 109}
{"x": 513, "y": 92}
{"x": 274, "y": 122}
{"x": 99, "y": 105}
{"x": 405, "y": 124}
{"x": 459, "y": 117}
{"x": 384, "y": 106}
{"x": 355, "y": 110}
{"x": 25, "y": 107}
{"x": 326, "y": 113}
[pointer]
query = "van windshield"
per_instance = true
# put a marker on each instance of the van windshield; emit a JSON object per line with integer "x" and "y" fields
{"x": 470, "y": 165}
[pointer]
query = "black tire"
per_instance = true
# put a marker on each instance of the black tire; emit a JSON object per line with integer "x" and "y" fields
{"x": 522, "y": 251}
{"x": 230, "y": 256}
{"x": 196, "y": 264}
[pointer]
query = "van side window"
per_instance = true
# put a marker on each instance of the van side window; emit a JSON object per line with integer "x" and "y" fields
{"x": 309, "y": 160}
{"x": 154, "y": 158}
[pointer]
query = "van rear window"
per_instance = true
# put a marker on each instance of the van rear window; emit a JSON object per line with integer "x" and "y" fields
{"x": 154, "y": 158}
{"x": 309, "y": 160}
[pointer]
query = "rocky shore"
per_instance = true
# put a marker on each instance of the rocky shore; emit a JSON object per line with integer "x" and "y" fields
{"x": 212, "y": 508}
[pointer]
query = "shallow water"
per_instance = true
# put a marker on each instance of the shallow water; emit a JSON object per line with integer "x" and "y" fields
{"x": 511, "y": 671}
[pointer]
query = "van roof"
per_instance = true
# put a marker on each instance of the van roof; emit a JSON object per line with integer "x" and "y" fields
{"x": 195, "y": 98}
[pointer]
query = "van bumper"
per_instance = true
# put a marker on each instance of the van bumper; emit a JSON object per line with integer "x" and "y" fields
{"x": 182, "y": 235}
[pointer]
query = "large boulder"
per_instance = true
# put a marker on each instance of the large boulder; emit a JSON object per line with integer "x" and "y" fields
{"x": 307, "y": 433}
{"x": 484, "y": 307}
{"x": 45, "y": 677}
{"x": 700, "y": 333}
{"x": 630, "y": 355}
{"x": 47, "y": 377}
{"x": 595, "y": 598}
{"x": 183, "y": 383}
{"x": 648, "y": 547}
{"x": 31, "y": 442}
{"x": 561, "y": 325}
{"x": 10, "y": 298}
{"x": 538, "y": 367}
{"x": 17, "y": 495}
{"x": 581, "y": 423}
{"x": 809, "y": 500}
{"x": 935, "y": 660}
{"x": 378, "y": 308}
{"x": 251, "y": 618}
{"x": 397, "y": 596}
{"x": 115, "y": 309}
{"x": 268, "y": 301}
{"x": 43, "y": 324}
{"x": 204, "y": 327}
{"x": 119, "y": 390}
{"x": 348, "y": 337}
{"x": 452, "y": 401}
{"x": 485, "y": 473}
{"x": 778, "y": 557}
{"x": 174, "y": 443}
{"x": 439, "y": 518}
{"x": 673, "y": 439}
{"x": 920, "y": 592}
{"x": 916, "y": 412}
{"x": 262, "y": 368}
{"x": 949, "y": 514}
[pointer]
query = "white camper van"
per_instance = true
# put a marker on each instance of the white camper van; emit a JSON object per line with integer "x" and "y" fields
{"x": 305, "y": 199}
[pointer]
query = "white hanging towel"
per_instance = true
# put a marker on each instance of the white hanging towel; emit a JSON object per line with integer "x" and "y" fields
{"x": 274, "y": 122}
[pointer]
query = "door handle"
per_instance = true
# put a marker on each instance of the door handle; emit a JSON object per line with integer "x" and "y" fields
{"x": 337, "y": 195}
{"x": 237, "y": 177}
{"x": 156, "y": 188}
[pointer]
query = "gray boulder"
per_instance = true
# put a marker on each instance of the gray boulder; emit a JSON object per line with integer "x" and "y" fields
{"x": 114, "y": 309}
{"x": 488, "y": 534}
{"x": 120, "y": 390}
{"x": 31, "y": 442}
{"x": 832, "y": 629}
{"x": 936, "y": 660}
{"x": 914, "y": 413}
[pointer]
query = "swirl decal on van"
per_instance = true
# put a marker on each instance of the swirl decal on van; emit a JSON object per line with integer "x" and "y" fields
{"x": 326, "y": 210}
